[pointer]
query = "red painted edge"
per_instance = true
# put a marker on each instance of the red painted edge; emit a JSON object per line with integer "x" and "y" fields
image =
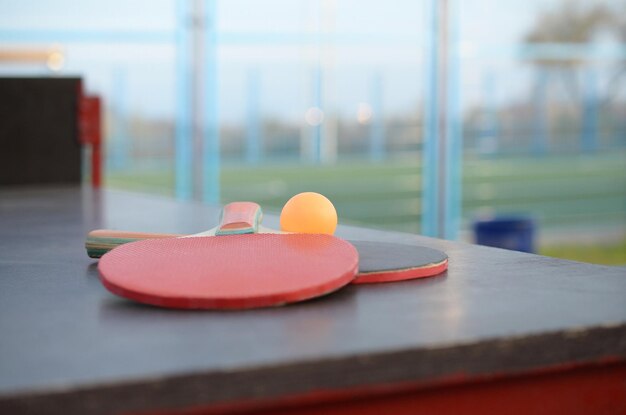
{"x": 90, "y": 131}
{"x": 568, "y": 374}
{"x": 429, "y": 270}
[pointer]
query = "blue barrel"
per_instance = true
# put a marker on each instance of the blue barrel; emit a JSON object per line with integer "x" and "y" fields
{"x": 516, "y": 233}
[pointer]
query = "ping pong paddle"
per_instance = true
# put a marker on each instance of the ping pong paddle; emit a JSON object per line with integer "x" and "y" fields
{"x": 235, "y": 269}
{"x": 378, "y": 261}
{"x": 236, "y": 218}
{"x": 388, "y": 262}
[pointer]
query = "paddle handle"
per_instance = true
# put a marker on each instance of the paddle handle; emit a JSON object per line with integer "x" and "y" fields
{"x": 236, "y": 218}
{"x": 101, "y": 241}
{"x": 239, "y": 218}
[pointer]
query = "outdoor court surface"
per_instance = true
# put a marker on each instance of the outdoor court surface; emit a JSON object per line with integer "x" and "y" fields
{"x": 565, "y": 193}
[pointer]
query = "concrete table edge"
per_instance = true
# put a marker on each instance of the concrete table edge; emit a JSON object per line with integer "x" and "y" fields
{"x": 414, "y": 368}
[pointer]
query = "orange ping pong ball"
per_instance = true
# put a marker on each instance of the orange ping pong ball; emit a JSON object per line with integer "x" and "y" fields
{"x": 309, "y": 212}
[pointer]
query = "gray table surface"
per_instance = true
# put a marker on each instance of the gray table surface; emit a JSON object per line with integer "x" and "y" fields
{"x": 66, "y": 342}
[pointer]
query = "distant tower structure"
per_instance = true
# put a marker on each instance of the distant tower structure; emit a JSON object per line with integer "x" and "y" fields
{"x": 540, "y": 105}
{"x": 589, "y": 130}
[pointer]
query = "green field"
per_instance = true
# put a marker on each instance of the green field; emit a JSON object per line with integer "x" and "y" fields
{"x": 586, "y": 193}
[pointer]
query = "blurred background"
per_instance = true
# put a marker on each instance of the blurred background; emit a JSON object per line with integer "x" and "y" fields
{"x": 417, "y": 116}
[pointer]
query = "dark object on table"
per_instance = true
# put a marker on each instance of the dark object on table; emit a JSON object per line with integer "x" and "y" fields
{"x": 39, "y": 131}
{"x": 516, "y": 233}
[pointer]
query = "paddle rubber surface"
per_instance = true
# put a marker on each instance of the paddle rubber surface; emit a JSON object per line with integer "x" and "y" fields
{"x": 229, "y": 272}
{"x": 387, "y": 262}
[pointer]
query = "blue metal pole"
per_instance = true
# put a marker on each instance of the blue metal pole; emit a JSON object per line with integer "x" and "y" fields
{"x": 47, "y": 36}
{"x": 121, "y": 145}
{"x": 454, "y": 130}
{"x": 211, "y": 145}
{"x": 183, "y": 148}
{"x": 377, "y": 128}
{"x": 430, "y": 150}
{"x": 253, "y": 130}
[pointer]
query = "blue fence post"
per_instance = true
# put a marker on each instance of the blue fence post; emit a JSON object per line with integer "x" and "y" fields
{"x": 454, "y": 130}
{"x": 121, "y": 142}
{"x": 253, "y": 126}
{"x": 211, "y": 143}
{"x": 183, "y": 148}
{"x": 377, "y": 127}
{"x": 430, "y": 150}
{"x": 589, "y": 130}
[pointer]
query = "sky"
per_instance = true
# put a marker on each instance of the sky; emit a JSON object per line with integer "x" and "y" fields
{"x": 274, "y": 39}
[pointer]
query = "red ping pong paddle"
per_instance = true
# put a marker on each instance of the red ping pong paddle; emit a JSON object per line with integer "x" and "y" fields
{"x": 233, "y": 271}
{"x": 378, "y": 261}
